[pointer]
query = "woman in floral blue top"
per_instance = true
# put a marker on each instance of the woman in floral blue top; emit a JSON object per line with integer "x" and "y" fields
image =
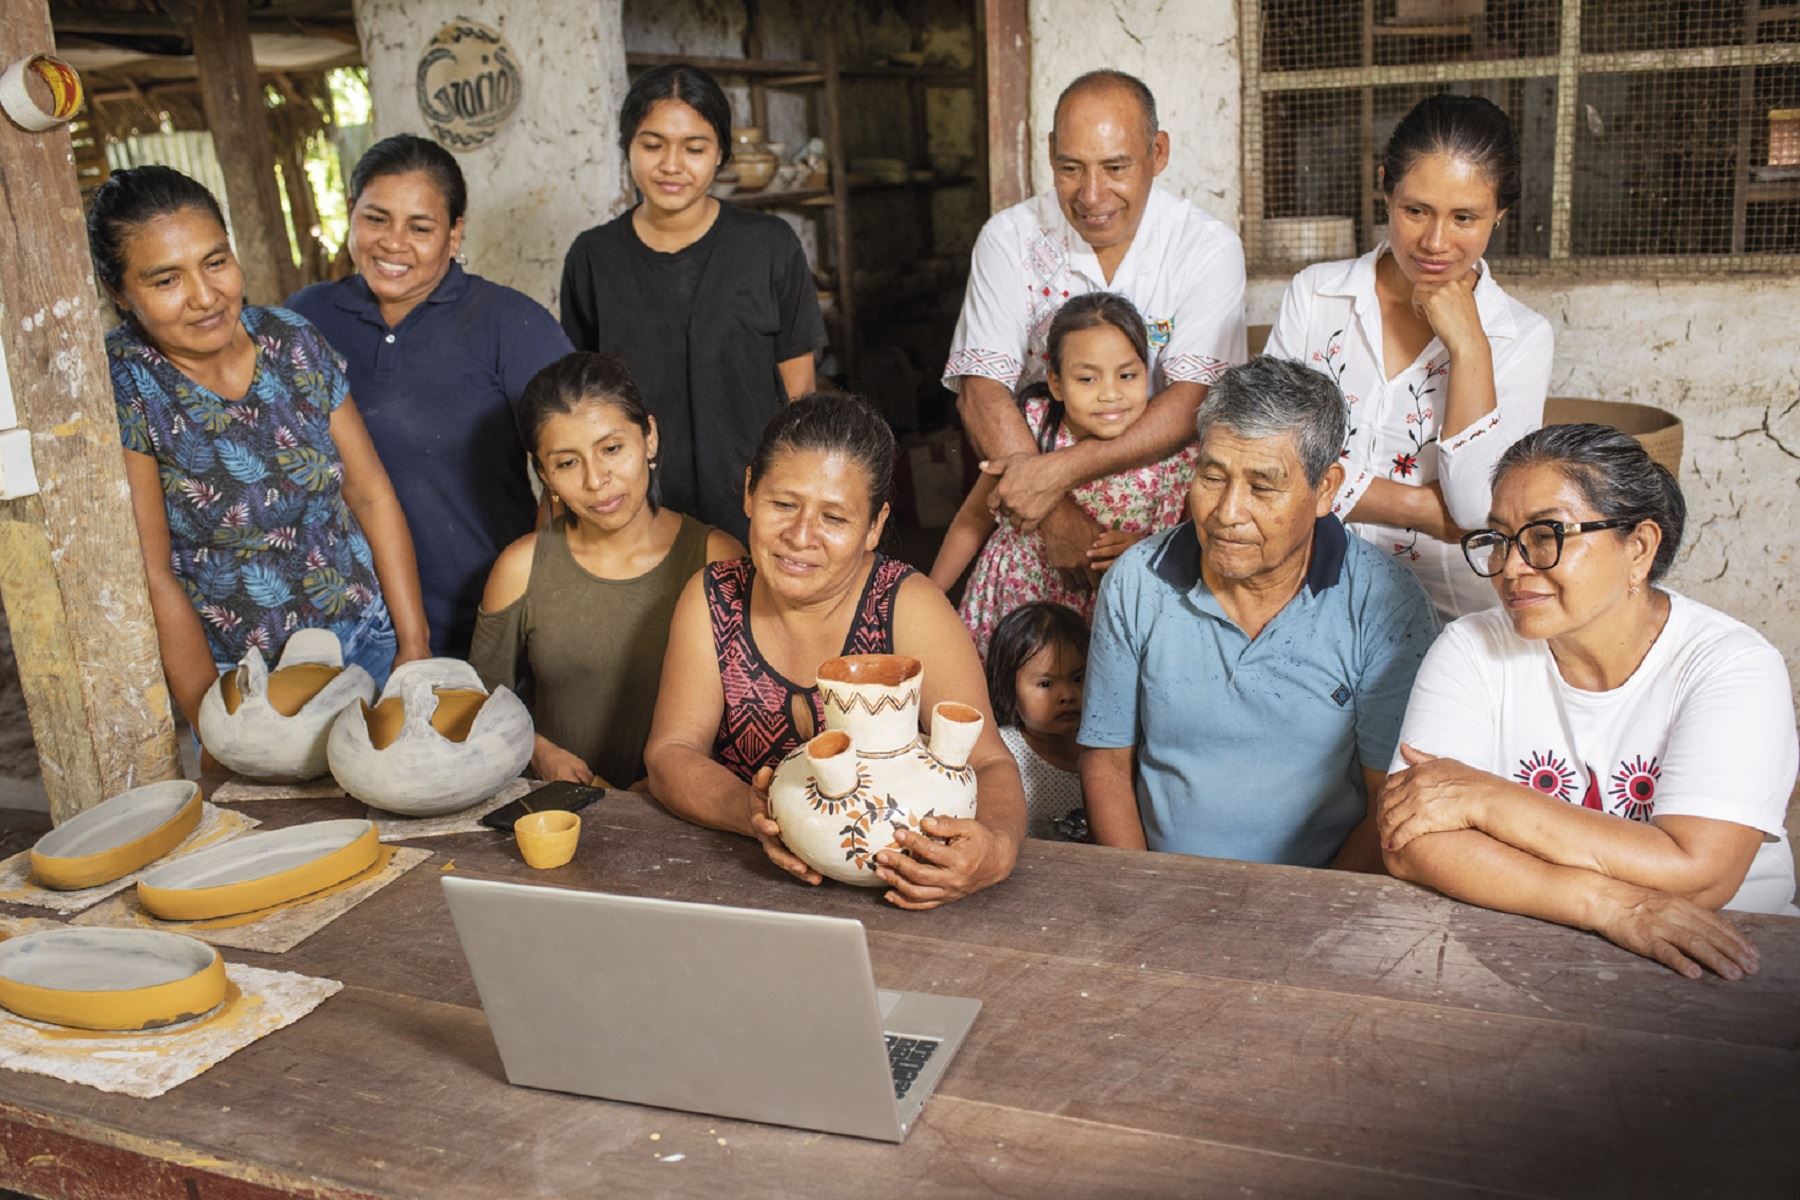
{"x": 260, "y": 501}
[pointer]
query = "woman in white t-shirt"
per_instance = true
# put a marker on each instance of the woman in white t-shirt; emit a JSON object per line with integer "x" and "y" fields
{"x": 1599, "y": 751}
{"x": 1440, "y": 369}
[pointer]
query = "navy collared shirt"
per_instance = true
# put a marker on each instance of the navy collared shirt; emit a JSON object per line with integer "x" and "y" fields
{"x": 439, "y": 393}
{"x": 1254, "y": 749}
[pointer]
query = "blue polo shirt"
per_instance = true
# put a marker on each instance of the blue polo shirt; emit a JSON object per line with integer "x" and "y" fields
{"x": 1253, "y": 749}
{"x": 438, "y": 393}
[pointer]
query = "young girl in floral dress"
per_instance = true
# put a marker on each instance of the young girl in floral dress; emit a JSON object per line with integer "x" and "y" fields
{"x": 1098, "y": 386}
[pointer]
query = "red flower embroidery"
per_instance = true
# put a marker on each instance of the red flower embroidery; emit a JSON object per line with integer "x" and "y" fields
{"x": 1405, "y": 465}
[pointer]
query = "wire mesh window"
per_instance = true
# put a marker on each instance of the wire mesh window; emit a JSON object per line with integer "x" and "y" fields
{"x": 1656, "y": 135}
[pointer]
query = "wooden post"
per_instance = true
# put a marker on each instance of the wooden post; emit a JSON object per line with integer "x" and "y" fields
{"x": 1005, "y": 88}
{"x": 232, "y": 97}
{"x": 71, "y": 571}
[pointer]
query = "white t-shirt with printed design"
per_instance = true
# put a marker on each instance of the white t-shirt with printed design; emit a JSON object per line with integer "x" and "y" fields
{"x": 1703, "y": 728}
{"x": 1330, "y": 320}
{"x": 1184, "y": 271}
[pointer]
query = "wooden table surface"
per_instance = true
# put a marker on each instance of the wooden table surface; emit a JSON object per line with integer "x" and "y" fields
{"x": 1151, "y": 1025}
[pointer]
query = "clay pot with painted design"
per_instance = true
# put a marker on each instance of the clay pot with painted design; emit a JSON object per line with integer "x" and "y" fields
{"x": 840, "y": 797}
{"x": 436, "y": 742}
{"x": 267, "y": 725}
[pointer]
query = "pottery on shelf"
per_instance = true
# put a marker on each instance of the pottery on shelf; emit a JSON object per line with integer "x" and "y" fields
{"x": 259, "y": 870}
{"x": 117, "y": 836}
{"x": 754, "y": 162}
{"x": 437, "y": 741}
{"x": 110, "y": 979}
{"x": 840, "y": 797}
{"x": 267, "y": 725}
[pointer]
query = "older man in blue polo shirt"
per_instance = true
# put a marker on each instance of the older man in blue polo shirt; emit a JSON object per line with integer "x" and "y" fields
{"x": 1249, "y": 669}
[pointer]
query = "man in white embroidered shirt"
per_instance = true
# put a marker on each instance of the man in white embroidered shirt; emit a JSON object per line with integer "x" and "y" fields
{"x": 1106, "y": 227}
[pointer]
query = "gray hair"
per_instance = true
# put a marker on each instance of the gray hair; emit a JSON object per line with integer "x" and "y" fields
{"x": 1267, "y": 397}
{"x": 1614, "y": 474}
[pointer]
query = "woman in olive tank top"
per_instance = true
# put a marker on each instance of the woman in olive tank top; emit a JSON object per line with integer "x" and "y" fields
{"x": 579, "y": 611}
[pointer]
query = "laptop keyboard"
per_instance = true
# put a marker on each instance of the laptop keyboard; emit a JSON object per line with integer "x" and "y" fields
{"x": 906, "y": 1058}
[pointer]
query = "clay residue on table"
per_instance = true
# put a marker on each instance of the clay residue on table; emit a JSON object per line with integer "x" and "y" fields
{"x": 147, "y": 1063}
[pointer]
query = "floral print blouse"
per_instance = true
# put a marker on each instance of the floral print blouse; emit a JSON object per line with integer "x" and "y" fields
{"x": 260, "y": 536}
{"x": 1013, "y": 568}
{"x": 1331, "y": 320}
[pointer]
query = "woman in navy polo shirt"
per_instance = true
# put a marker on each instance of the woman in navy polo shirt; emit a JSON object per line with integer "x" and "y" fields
{"x": 438, "y": 359}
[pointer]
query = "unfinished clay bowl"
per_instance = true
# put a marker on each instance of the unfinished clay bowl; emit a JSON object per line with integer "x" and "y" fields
{"x": 259, "y": 870}
{"x": 117, "y": 836}
{"x": 547, "y": 839}
{"x": 110, "y": 979}
{"x": 275, "y": 726}
{"x": 840, "y": 797}
{"x": 437, "y": 741}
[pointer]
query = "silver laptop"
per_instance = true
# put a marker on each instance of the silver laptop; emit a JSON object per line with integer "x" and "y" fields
{"x": 737, "y": 1012}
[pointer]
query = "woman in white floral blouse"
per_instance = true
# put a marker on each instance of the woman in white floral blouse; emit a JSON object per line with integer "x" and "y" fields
{"x": 1440, "y": 369}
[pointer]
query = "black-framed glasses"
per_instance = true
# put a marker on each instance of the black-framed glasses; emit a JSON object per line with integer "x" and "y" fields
{"x": 1540, "y": 543}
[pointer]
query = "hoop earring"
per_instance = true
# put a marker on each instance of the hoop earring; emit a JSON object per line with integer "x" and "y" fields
{"x": 1632, "y": 590}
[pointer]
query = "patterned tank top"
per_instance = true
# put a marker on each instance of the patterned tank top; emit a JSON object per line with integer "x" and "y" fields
{"x": 766, "y": 715}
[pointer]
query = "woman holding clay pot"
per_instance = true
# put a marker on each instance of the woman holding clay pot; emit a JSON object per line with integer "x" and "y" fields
{"x": 739, "y": 684}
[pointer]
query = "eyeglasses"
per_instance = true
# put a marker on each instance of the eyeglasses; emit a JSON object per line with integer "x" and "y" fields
{"x": 1540, "y": 543}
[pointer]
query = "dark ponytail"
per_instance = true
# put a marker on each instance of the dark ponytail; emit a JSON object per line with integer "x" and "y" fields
{"x": 1614, "y": 474}
{"x": 1466, "y": 127}
{"x": 130, "y": 199}
{"x": 583, "y": 378}
{"x": 405, "y": 153}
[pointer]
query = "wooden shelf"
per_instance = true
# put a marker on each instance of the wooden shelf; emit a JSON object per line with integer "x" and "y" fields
{"x": 1455, "y": 29}
{"x": 880, "y": 185}
{"x": 1773, "y": 191}
{"x": 767, "y": 72}
{"x": 792, "y": 198}
{"x": 942, "y": 76}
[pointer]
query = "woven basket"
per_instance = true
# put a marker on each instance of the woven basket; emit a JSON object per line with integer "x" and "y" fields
{"x": 1659, "y": 432}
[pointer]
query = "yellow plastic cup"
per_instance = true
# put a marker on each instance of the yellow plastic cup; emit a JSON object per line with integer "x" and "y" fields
{"x": 547, "y": 839}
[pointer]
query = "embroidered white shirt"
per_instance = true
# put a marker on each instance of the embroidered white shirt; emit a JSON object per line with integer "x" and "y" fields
{"x": 1703, "y": 728}
{"x": 1184, "y": 271}
{"x": 1331, "y": 320}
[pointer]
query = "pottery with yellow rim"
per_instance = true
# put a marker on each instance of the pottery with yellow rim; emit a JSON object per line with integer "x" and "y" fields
{"x": 259, "y": 870}
{"x": 275, "y": 725}
{"x": 117, "y": 836}
{"x": 110, "y": 979}
{"x": 437, "y": 742}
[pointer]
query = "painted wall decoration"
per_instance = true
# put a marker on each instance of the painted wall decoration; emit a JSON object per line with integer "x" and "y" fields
{"x": 469, "y": 85}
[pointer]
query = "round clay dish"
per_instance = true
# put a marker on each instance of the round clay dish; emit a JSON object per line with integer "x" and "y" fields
{"x": 259, "y": 870}
{"x": 117, "y": 836}
{"x": 110, "y": 979}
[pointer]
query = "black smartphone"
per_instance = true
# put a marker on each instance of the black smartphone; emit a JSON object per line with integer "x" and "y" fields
{"x": 561, "y": 795}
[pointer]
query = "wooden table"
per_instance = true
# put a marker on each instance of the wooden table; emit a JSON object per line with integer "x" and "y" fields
{"x": 1152, "y": 1025}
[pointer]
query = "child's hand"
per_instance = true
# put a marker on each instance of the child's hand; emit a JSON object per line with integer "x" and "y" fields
{"x": 1109, "y": 545}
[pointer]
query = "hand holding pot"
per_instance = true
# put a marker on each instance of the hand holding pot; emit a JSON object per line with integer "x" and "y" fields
{"x": 957, "y": 859}
{"x": 768, "y": 832}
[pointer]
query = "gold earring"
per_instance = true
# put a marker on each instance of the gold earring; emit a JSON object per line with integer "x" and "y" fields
{"x": 1632, "y": 590}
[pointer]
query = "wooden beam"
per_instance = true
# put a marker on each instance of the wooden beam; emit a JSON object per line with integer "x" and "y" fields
{"x": 1006, "y": 66}
{"x": 71, "y": 571}
{"x": 232, "y": 98}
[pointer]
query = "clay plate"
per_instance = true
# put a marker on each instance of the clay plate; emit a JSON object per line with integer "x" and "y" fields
{"x": 117, "y": 836}
{"x": 259, "y": 870}
{"x": 112, "y": 979}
